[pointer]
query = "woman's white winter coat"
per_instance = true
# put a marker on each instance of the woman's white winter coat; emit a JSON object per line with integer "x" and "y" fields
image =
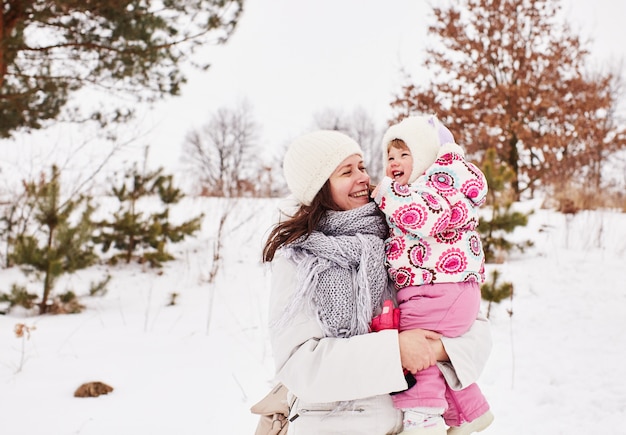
{"x": 320, "y": 371}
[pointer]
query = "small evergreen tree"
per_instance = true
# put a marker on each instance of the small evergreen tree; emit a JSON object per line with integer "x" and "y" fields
{"x": 8, "y": 224}
{"x": 131, "y": 230}
{"x": 58, "y": 245}
{"x": 493, "y": 292}
{"x": 502, "y": 220}
{"x": 19, "y": 296}
{"x": 16, "y": 215}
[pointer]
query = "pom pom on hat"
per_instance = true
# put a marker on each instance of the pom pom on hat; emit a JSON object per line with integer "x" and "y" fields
{"x": 312, "y": 158}
{"x": 423, "y": 135}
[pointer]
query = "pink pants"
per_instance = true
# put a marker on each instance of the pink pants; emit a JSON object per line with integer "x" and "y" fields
{"x": 449, "y": 309}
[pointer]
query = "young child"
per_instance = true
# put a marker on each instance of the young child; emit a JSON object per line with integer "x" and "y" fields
{"x": 430, "y": 196}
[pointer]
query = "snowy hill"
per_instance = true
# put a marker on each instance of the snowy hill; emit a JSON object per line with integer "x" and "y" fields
{"x": 197, "y": 366}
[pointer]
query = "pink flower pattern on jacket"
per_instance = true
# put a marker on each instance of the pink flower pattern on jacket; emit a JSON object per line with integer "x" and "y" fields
{"x": 433, "y": 222}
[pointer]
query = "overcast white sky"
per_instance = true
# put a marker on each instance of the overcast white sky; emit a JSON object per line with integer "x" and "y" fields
{"x": 292, "y": 58}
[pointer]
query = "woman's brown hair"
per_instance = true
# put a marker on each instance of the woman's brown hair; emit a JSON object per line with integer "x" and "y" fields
{"x": 302, "y": 223}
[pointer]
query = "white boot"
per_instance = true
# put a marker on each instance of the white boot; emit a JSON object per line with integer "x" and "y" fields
{"x": 422, "y": 423}
{"x": 469, "y": 427}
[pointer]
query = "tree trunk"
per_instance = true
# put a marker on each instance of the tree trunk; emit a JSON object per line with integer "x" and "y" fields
{"x": 47, "y": 282}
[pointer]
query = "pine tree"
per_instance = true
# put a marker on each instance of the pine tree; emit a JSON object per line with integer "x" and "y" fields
{"x": 493, "y": 292}
{"x": 9, "y": 223}
{"x": 131, "y": 230}
{"x": 131, "y": 48}
{"x": 19, "y": 296}
{"x": 61, "y": 244}
{"x": 503, "y": 219}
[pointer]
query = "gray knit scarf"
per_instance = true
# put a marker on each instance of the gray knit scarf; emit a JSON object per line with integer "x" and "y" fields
{"x": 341, "y": 270}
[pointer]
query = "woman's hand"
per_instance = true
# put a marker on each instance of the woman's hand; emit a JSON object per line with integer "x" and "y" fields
{"x": 439, "y": 350}
{"x": 416, "y": 352}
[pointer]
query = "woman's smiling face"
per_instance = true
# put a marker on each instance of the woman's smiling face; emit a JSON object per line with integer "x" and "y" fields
{"x": 349, "y": 183}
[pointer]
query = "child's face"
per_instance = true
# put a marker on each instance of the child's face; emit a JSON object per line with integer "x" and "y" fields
{"x": 399, "y": 164}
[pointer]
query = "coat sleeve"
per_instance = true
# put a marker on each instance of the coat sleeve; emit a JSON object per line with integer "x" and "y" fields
{"x": 468, "y": 354}
{"x": 328, "y": 369}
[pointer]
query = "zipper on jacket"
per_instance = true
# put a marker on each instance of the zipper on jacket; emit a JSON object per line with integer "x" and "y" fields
{"x": 327, "y": 411}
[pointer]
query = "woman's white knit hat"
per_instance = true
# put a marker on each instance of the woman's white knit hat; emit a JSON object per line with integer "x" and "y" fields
{"x": 312, "y": 158}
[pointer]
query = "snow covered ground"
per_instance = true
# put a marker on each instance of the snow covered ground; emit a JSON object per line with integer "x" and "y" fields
{"x": 197, "y": 366}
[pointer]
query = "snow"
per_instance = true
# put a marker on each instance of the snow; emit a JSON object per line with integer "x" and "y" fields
{"x": 197, "y": 367}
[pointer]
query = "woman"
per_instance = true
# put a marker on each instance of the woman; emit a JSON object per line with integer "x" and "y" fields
{"x": 328, "y": 281}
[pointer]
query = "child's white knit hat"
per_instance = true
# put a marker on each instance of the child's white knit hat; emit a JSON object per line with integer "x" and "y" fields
{"x": 423, "y": 135}
{"x": 312, "y": 158}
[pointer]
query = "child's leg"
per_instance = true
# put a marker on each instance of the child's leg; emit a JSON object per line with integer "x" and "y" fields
{"x": 447, "y": 308}
{"x": 429, "y": 391}
{"x": 450, "y": 309}
{"x": 464, "y": 405}
{"x": 424, "y": 403}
